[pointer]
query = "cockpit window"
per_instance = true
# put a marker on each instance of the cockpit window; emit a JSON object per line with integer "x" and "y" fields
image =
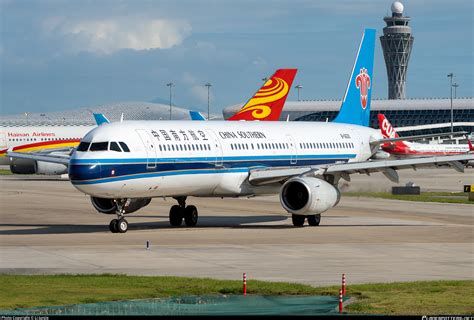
{"x": 83, "y": 146}
{"x": 99, "y": 146}
{"x": 124, "y": 146}
{"x": 115, "y": 147}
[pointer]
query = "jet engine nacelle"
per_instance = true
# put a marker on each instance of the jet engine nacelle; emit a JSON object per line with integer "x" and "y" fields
{"x": 49, "y": 168}
{"x": 108, "y": 206}
{"x": 26, "y": 166}
{"x": 307, "y": 196}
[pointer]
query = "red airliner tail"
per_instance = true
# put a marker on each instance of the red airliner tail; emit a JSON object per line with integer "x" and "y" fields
{"x": 268, "y": 102}
{"x": 386, "y": 128}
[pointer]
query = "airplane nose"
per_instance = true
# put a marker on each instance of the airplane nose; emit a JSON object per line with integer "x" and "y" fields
{"x": 79, "y": 173}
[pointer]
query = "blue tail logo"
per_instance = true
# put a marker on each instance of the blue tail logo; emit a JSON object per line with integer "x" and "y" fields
{"x": 355, "y": 108}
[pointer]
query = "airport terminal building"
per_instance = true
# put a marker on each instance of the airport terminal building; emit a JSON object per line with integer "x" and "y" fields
{"x": 135, "y": 110}
{"x": 409, "y": 116}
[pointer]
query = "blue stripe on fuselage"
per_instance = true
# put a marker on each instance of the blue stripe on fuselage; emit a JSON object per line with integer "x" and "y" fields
{"x": 90, "y": 171}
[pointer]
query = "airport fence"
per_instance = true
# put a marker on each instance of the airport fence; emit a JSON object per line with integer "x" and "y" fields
{"x": 197, "y": 305}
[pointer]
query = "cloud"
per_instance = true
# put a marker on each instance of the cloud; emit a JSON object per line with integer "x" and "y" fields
{"x": 200, "y": 92}
{"x": 105, "y": 36}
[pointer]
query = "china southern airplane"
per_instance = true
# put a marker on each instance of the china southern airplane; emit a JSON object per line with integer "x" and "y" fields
{"x": 29, "y": 147}
{"x": 122, "y": 166}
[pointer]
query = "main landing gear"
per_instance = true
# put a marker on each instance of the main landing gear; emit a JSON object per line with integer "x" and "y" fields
{"x": 119, "y": 225}
{"x": 181, "y": 211}
{"x": 298, "y": 220}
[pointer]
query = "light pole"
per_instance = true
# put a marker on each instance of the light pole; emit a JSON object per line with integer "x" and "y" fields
{"x": 171, "y": 84}
{"x": 298, "y": 87}
{"x": 455, "y": 86}
{"x": 451, "y": 87}
{"x": 208, "y": 85}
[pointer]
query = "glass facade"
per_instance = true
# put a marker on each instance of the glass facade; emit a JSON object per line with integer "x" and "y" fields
{"x": 405, "y": 118}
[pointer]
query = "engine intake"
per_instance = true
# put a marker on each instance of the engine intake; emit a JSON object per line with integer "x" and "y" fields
{"x": 108, "y": 206}
{"x": 306, "y": 195}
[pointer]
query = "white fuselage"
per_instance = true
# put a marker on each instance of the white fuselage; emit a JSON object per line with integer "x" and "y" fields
{"x": 198, "y": 158}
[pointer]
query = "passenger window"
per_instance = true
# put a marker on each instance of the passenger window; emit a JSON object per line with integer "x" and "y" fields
{"x": 252, "y": 146}
{"x": 99, "y": 146}
{"x": 124, "y": 147}
{"x": 83, "y": 146}
{"x": 115, "y": 147}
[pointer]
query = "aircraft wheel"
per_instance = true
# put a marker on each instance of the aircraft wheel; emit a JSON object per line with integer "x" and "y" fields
{"x": 122, "y": 226}
{"x": 113, "y": 226}
{"x": 176, "y": 216}
{"x": 190, "y": 216}
{"x": 314, "y": 220}
{"x": 298, "y": 220}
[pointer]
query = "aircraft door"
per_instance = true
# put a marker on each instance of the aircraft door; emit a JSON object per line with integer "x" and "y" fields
{"x": 217, "y": 147}
{"x": 294, "y": 153}
{"x": 149, "y": 147}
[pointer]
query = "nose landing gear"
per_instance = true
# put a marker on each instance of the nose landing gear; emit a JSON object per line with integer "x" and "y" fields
{"x": 181, "y": 211}
{"x": 119, "y": 225}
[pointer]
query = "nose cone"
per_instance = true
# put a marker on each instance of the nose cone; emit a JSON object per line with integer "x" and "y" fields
{"x": 83, "y": 171}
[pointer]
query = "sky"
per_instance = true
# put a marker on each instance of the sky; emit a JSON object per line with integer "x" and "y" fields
{"x": 58, "y": 55}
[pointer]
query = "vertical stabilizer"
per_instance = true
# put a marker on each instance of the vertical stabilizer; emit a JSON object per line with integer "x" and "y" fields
{"x": 386, "y": 127}
{"x": 268, "y": 102}
{"x": 355, "y": 108}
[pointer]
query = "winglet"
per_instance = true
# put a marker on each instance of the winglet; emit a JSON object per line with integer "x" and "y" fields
{"x": 196, "y": 115}
{"x": 268, "y": 102}
{"x": 100, "y": 119}
{"x": 355, "y": 108}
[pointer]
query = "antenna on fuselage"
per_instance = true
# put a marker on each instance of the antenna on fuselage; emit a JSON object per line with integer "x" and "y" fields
{"x": 121, "y": 117}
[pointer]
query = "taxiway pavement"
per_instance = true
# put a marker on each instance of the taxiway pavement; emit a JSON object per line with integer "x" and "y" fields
{"x": 47, "y": 226}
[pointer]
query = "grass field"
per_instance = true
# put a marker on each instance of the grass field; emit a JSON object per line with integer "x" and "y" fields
{"x": 444, "y": 197}
{"x": 4, "y": 172}
{"x": 430, "y": 297}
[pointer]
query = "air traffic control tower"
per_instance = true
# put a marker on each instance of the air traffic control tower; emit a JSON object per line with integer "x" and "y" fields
{"x": 397, "y": 42}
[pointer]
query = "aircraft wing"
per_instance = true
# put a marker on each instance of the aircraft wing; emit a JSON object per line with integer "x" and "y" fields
{"x": 61, "y": 158}
{"x": 262, "y": 176}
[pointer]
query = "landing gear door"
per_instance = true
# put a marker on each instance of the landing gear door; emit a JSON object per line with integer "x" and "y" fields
{"x": 293, "y": 150}
{"x": 216, "y": 146}
{"x": 149, "y": 147}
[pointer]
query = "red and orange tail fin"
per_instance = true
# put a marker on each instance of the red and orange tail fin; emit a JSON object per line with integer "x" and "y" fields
{"x": 471, "y": 148}
{"x": 268, "y": 102}
{"x": 386, "y": 128}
